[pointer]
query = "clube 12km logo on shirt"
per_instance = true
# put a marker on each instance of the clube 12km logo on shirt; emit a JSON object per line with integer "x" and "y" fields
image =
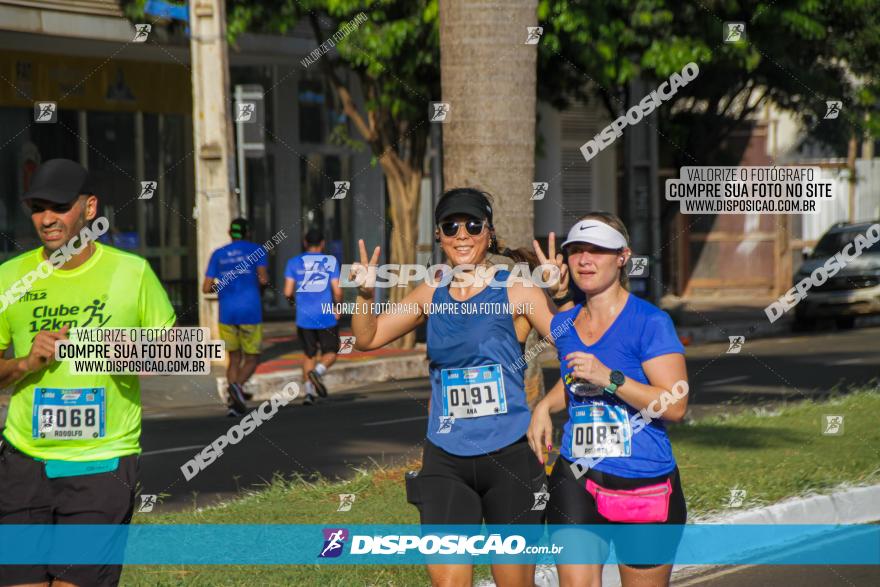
{"x": 336, "y": 538}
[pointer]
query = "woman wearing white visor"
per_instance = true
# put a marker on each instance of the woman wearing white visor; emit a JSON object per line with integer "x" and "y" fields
{"x": 623, "y": 374}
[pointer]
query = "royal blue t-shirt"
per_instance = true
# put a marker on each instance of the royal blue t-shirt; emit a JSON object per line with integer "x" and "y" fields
{"x": 641, "y": 332}
{"x": 235, "y": 269}
{"x": 313, "y": 273}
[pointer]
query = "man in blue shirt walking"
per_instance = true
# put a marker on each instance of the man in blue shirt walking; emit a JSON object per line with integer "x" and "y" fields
{"x": 237, "y": 273}
{"x": 314, "y": 278}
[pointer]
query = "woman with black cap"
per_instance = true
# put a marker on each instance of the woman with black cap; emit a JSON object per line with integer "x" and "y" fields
{"x": 476, "y": 464}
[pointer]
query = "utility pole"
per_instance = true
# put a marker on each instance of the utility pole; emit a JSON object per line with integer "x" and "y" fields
{"x": 212, "y": 135}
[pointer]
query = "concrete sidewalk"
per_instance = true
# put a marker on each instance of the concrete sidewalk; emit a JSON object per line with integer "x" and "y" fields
{"x": 282, "y": 360}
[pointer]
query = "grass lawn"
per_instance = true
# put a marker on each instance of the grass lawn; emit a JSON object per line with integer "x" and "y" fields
{"x": 777, "y": 454}
{"x": 770, "y": 455}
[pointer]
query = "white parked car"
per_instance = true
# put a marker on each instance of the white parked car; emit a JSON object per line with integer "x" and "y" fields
{"x": 854, "y": 291}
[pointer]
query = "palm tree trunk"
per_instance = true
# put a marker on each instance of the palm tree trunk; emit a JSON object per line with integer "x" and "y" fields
{"x": 488, "y": 75}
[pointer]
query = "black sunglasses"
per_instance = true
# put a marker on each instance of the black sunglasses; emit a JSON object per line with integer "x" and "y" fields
{"x": 473, "y": 227}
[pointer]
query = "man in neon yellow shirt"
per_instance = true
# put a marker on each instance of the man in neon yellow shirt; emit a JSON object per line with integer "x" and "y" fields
{"x": 68, "y": 454}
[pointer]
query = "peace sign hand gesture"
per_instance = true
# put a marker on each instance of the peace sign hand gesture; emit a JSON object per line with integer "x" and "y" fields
{"x": 364, "y": 272}
{"x": 555, "y": 271}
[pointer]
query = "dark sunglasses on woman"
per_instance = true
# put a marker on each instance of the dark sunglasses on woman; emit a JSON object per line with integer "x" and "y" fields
{"x": 473, "y": 227}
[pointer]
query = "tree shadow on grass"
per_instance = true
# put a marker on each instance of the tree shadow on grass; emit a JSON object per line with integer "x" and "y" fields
{"x": 720, "y": 435}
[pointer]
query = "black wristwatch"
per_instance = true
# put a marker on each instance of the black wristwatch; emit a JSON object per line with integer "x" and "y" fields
{"x": 617, "y": 379}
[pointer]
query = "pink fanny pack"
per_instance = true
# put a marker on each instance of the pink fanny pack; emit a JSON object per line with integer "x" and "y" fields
{"x": 643, "y": 505}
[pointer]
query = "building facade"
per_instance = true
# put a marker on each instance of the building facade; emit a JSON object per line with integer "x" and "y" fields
{"x": 124, "y": 110}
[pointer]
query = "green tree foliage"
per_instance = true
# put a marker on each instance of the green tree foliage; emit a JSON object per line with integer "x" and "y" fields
{"x": 395, "y": 52}
{"x": 798, "y": 53}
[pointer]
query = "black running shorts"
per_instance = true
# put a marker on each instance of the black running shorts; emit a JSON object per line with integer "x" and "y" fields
{"x": 27, "y": 496}
{"x": 570, "y": 503}
{"x": 327, "y": 339}
{"x": 498, "y": 487}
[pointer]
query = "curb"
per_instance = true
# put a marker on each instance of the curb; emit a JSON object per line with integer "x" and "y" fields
{"x": 340, "y": 377}
{"x": 853, "y": 505}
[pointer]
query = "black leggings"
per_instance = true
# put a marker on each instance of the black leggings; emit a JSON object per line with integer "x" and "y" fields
{"x": 498, "y": 487}
{"x": 570, "y": 503}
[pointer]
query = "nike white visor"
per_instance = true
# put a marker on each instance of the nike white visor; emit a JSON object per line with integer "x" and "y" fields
{"x": 596, "y": 233}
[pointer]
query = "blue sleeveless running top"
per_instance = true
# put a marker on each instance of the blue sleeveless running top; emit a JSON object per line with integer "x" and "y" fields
{"x": 478, "y": 400}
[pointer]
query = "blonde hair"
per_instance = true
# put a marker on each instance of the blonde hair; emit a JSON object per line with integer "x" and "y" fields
{"x": 617, "y": 224}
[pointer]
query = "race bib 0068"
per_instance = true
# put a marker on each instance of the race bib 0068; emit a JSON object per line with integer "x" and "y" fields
{"x": 473, "y": 392}
{"x": 69, "y": 414}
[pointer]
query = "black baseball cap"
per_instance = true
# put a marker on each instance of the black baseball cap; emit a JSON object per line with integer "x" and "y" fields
{"x": 467, "y": 201}
{"x": 238, "y": 228}
{"x": 60, "y": 181}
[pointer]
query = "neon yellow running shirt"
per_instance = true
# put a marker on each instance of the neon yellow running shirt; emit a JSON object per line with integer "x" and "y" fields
{"x": 112, "y": 289}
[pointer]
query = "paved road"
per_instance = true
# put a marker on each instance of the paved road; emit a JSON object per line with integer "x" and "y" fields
{"x": 388, "y": 425}
{"x": 776, "y": 370}
{"x": 780, "y": 575}
{"x": 330, "y": 438}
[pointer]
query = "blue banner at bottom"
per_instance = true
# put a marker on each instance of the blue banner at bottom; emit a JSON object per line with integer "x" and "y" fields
{"x": 209, "y": 544}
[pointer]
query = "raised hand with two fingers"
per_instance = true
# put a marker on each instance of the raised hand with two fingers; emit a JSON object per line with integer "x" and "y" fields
{"x": 363, "y": 273}
{"x": 555, "y": 271}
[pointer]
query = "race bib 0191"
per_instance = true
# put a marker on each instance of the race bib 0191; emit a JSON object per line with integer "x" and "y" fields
{"x": 600, "y": 430}
{"x": 473, "y": 392}
{"x": 69, "y": 414}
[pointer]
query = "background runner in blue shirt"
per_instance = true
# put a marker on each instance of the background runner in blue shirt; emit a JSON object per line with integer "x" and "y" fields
{"x": 237, "y": 273}
{"x": 476, "y": 464}
{"x": 623, "y": 373}
{"x": 313, "y": 277}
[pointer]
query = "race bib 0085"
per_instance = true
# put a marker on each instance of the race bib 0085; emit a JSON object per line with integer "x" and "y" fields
{"x": 600, "y": 430}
